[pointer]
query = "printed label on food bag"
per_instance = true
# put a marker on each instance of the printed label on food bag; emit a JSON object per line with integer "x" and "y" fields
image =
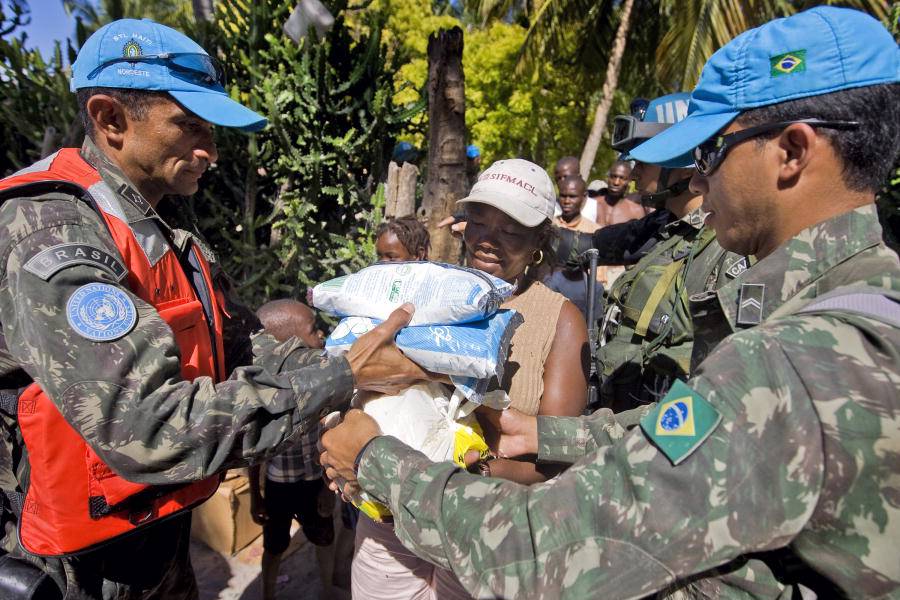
{"x": 442, "y": 294}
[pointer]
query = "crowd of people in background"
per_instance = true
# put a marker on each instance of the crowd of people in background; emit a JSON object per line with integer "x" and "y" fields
{"x": 744, "y": 344}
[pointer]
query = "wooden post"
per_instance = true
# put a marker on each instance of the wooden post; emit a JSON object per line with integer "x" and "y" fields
{"x": 405, "y": 205}
{"x": 446, "y": 181}
{"x": 390, "y": 190}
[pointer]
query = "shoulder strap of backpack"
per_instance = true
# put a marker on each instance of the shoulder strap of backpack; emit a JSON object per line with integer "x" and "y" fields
{"x": 874, "y": 303}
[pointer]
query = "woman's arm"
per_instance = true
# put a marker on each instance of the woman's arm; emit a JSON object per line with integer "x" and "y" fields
{"x": 567, "y": 366}
{"x": 565, "y": 391}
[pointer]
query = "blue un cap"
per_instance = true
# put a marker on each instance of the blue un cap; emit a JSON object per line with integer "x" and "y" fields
{"x": 818, "y": 51}
{"x": 648, "y": 119}
{"x": 144, "y": 55}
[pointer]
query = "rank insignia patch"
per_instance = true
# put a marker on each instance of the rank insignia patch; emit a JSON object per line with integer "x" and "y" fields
{"x": 100, "y": 312}
{"x": 750, "y": 303}
{"x": 680, "y": 422}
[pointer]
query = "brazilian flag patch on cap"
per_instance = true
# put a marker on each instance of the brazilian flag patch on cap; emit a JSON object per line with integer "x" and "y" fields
{"x": 680, "y": 422}
{"x": 789, "y": 62}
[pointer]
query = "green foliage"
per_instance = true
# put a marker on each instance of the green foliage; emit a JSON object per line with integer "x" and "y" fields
{"x": 35, "y": 102}
{"x": 90, "y": 15}
{"x": 889, "y": 211}
{"x": 889, "y": 198}
{"x": 297, "y": 203}
{"x": 538, "y": 115}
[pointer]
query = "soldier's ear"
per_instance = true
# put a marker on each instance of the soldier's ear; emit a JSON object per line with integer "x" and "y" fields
{"x": 109, "y": 118}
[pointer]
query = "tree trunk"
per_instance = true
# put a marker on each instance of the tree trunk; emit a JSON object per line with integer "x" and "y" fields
{"x": 609, "y": 89}
{"x": 203, "y": 10}
{"x": 446, "y": 182}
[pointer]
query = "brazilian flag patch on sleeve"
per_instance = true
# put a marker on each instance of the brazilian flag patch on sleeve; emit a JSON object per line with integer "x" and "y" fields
{"x": 680, "y": 422}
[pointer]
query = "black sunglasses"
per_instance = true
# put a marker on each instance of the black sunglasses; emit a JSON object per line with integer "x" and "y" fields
{"x": 201, "y": 69}
{"x": 710, "y": 154}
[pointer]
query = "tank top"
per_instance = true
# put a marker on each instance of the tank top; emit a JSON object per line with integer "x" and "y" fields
{"x": 523, "y": 378}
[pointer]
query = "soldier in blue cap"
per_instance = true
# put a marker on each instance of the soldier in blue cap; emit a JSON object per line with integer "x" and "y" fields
{"x": 127, "y": 380}
{"x": 772, "y": 472}
{"x": 647, "y": 335}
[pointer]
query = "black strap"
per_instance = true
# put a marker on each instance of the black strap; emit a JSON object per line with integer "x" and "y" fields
{"x": 16, "y": 501}
{"x": 9, "y": 402}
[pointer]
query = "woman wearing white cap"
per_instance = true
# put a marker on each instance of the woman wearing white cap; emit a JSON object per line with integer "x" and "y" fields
{"x": 509, "y": 234}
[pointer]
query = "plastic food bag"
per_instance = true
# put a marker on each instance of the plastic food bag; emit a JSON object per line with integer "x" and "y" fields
{"x": 442, "y": 294}
{"x": 477, "y": 350}
{"x": 429, "y": 419}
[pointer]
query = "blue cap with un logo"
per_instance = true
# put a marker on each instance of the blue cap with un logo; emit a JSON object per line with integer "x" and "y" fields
{"x": 144, "y": 55}
{"x": 666, "y": 110}
{"x": 818, "y": 51}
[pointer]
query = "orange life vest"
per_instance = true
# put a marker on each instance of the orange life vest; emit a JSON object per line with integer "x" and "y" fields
{"x": 74, "y": 501}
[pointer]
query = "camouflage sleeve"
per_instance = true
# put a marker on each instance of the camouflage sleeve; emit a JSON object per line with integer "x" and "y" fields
{"x": 126, "y": 397}
{"x": 276, "y": 357}
{"x": 624, "y": 521}
{"x": 568, "y": 439}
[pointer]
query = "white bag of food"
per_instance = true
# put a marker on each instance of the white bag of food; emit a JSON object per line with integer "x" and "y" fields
{"x": 425, "y": 417}
{"x": 442, "y": 294}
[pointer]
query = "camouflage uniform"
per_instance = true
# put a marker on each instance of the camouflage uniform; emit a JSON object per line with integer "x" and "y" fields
{"x": 647, "y": 337}
{"x": 802, "y": 464}
{"x": 139, "y": 415}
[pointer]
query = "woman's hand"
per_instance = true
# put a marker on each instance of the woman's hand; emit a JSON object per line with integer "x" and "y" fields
{"x": 509, "y": 433}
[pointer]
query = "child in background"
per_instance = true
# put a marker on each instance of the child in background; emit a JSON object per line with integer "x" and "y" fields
{"x": 294, "y": 488}
{"x": 401, "y": 239}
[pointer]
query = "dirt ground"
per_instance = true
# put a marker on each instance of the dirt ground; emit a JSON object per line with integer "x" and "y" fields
{"x": 238, "y": 577}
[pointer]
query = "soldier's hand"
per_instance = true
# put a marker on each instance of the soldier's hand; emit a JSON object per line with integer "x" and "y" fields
{"x": 376, "y": 362}
{"x": 343, "y": 444}
{"x": 508, "y": 433}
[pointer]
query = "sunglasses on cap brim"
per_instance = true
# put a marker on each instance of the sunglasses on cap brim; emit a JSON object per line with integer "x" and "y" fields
{"x": 194, "y": 67}
{"x": 629, "y": 131}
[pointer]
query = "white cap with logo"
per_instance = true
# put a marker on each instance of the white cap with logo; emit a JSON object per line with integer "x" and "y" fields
{"x": 520, "y": 188}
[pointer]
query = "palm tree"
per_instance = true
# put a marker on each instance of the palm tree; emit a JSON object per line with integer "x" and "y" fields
{"x": 697, "y": 28}
{"x": 589, "y": 153}
{"x": 90, "y": 16}
{"x": 678, "y": 36}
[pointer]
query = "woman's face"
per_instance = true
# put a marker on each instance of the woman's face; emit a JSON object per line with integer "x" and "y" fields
{"x": 496, "y": 243}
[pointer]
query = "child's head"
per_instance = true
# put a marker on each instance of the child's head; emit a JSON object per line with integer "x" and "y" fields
{"x": 401, "y": 239}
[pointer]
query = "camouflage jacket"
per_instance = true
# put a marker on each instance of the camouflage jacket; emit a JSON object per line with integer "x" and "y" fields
{"x": 647, "y": 337}
{"x": 804, "y": 459}
{"x": 140, "y": 416}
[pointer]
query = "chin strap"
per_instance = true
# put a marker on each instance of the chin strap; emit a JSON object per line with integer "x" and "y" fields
{"x": 657, "y": 200}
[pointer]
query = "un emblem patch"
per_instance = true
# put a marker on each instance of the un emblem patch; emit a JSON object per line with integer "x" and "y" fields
{"x": 100, "y": 312}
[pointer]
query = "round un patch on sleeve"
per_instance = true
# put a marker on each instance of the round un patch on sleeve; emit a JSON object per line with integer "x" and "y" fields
{"x": 101, "y": 312}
